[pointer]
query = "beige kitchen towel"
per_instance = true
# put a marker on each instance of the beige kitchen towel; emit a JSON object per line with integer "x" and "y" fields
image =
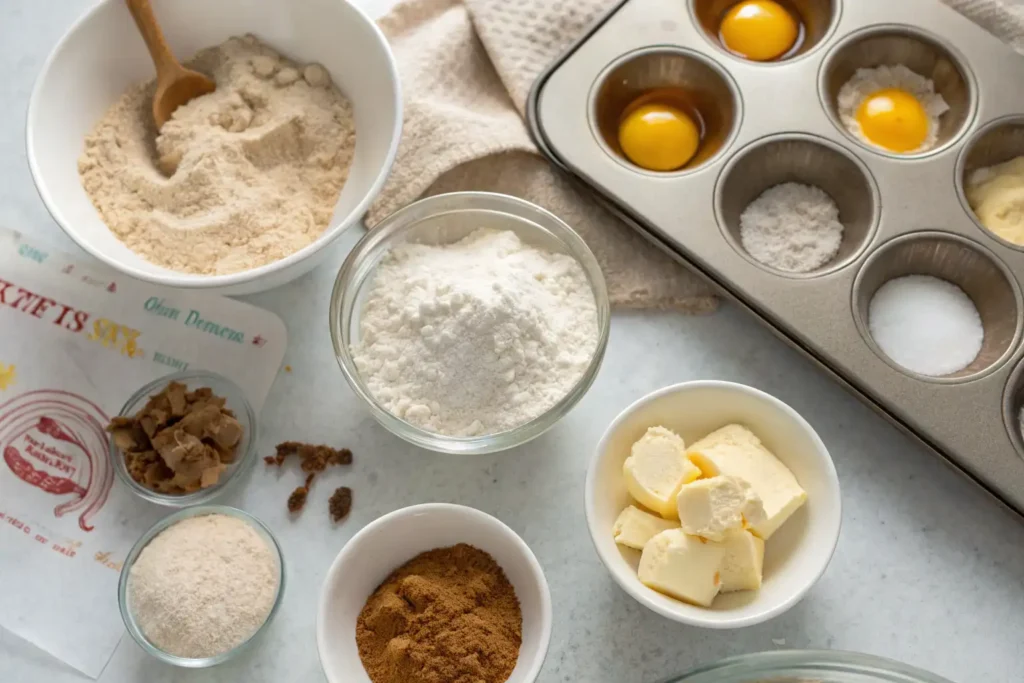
{"x": 467, "y": 68}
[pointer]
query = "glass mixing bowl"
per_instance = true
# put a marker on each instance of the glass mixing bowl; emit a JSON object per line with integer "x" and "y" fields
{"x": 439, "y": 220}
{"x": 807, "y": 666}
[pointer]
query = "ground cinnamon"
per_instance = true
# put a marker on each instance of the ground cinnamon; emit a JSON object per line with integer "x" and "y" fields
{"x": 447, "y": 616}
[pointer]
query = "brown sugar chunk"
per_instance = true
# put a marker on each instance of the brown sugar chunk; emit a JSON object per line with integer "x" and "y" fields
{"x": 314, "y": 458}
{"x": 176, "y": 398}
{"x": 180, "y": 441}
{"x": 225, "y": 431}
{"x": 340, "y": 503}
{"x": 297, "y": 499}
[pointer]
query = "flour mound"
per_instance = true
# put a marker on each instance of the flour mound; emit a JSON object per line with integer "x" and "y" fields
{"x": 792, "y": 227}
{"x": 236, "y": 179}
{"x": 475, "y": 337}
{"x": 203, "y": 586}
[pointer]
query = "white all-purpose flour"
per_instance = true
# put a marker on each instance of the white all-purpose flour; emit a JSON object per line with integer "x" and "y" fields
{"x": 475, "y": 337}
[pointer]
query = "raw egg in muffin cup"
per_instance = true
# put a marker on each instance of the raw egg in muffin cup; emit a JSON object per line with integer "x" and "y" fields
{"x": 893, "y": 108}
{"x": 661, "y": 130}
{"x": 761, "y": 30}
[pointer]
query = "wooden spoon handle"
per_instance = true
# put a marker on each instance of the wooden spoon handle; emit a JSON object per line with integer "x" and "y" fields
{"x": 163, "y": 58}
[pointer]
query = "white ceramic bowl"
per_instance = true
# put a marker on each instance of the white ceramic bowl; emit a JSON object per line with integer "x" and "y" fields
{"x": 795, "y": 556}
{"x": 394, "y": 539}
{"x": 102, "y": 55}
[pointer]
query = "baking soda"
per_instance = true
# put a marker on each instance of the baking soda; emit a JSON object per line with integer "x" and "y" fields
{"x": 792, "y": 227}
{"x": 926, "y": 325}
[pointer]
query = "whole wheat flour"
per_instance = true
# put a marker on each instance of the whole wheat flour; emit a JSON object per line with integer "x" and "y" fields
{"x": 475, "y": 337}
{"x": 236, "y": 179}
{"x": 203, "y": 585}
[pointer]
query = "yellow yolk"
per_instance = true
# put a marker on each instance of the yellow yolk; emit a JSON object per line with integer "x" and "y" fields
{"x": 894, "y": 120}
{"x": 760, "y": 30}
{"x": 658, "y": 137}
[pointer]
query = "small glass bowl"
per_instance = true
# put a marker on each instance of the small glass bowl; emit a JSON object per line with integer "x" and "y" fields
{"x": 444, "y": 219}
{"x": 235, "y": 401}
{"x": 122, "y": 586}
{"x": 806, "y": 666}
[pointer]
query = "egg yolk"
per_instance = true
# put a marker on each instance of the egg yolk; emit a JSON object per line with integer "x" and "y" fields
{"x": 894, "y": 120}
{"x": 659, "y": 137}
{"x": 760, "y": 30}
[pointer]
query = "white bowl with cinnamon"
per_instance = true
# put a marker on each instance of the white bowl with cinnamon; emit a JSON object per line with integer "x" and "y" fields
{"x": 436, "y": 588}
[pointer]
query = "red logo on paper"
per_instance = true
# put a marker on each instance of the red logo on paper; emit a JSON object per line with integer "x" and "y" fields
{"x": 55, "y": 441}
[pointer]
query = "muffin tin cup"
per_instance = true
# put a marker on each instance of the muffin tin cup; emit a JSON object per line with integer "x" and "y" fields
{"x": 1013, "y": 402}
{"x": 714, "y": 96}
{"x": 923, "y": 54}
{"x": 818, "y": 18}
{"x": 970, "y": 267}
{"x": 902, "y": 213}
{"x": 808, "y": 160}
{"x": 996, "y": 143}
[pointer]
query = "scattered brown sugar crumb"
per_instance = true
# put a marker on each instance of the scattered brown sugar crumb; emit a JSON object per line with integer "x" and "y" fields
{"x": 297, "y": 500}
{"x": 180, "y": 441}
{"x": 287, "y": 368}
{"x": 340, "y": 503}
{"x": 314, "y": 459}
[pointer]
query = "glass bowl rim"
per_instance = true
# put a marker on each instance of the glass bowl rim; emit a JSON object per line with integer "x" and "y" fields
{"x": 244, "y": 460}
{"x": 380, "y": 237}
{"x": 805, "y": 663}
{"x": 156, "y": 529}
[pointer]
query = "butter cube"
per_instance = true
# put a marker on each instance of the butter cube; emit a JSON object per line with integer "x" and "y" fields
{"x": 682, "y": 567}
{"x": 655, "y": 470}
{"x": 711, "y": 508}
{"x": 634, "y": 527}
{"x": 736, "y": 451}
{"x": 743, "y": 565}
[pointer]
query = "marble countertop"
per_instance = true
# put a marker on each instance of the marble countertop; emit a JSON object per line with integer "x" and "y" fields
{"x": 928, "y": 569}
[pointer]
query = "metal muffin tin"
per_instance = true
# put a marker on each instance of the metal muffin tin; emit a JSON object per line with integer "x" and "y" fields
{"x": 776, "y": 122}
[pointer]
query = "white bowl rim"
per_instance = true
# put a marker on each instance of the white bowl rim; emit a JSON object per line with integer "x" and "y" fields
{"x": 350, "y": 548}
{"x": 187, "y": 281}
{"x": 635, "y": 589}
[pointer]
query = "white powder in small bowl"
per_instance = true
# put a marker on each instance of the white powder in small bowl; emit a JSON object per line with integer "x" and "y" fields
{"x": 203, "y": 586}
{"x": 792, "y": 227}
{"x": 475, "y": 337}
{"x": 926, "y": 325}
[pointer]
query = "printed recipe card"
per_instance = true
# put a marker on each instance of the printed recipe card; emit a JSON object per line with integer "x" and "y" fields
{"x": 75, "y": 344}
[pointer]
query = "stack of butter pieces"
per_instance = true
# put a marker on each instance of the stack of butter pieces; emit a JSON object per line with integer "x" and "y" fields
{"x": 714, "y": 505}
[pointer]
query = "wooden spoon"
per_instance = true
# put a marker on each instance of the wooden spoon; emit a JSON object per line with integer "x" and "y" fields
{"x": 175, "y": 85}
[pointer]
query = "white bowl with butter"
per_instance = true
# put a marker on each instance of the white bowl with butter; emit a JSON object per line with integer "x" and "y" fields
{"x": 796, "y": 553}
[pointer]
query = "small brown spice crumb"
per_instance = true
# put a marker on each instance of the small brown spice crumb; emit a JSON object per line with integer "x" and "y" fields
{"x": 287, "y": 368}
{"x": 297, "y": 500}
{"x": 314, "y": 459}
{"x": 340, "y": 503}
